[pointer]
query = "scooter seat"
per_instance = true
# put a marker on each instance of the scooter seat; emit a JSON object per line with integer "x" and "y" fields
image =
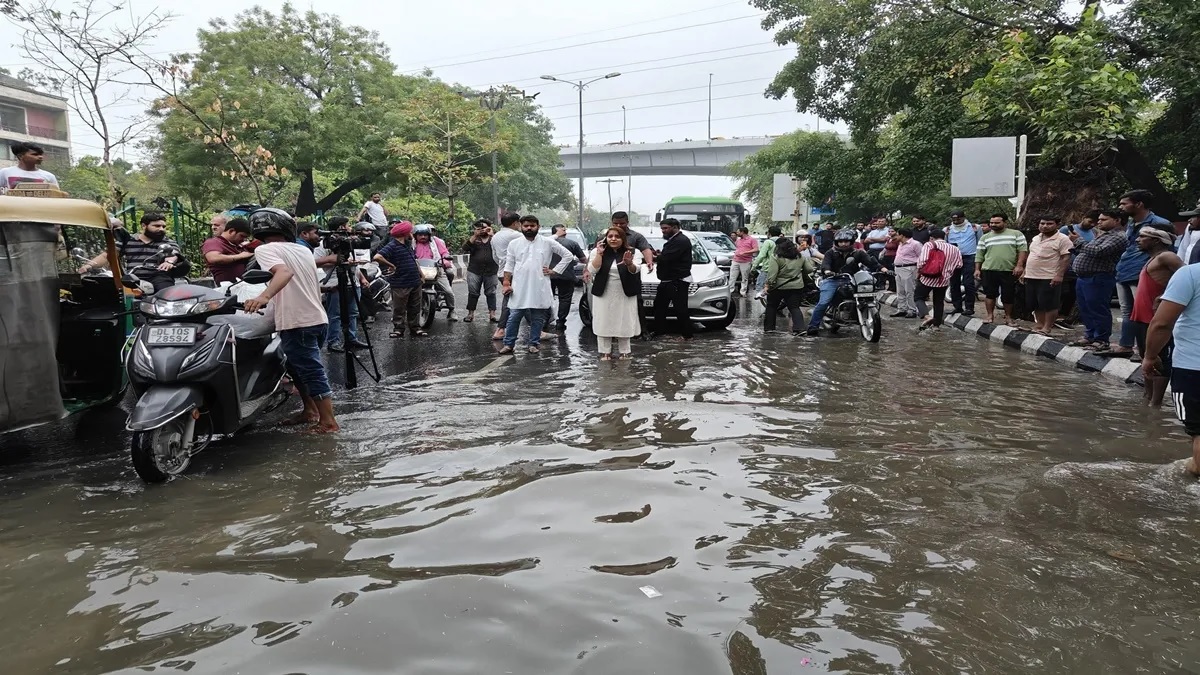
{"x": 246, "y": 326}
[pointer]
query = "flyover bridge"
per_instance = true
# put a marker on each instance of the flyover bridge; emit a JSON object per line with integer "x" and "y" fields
{"x": 673, "y": 158}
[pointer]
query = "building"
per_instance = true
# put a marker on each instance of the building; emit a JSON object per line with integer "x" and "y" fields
{"x": 32, "y": 116}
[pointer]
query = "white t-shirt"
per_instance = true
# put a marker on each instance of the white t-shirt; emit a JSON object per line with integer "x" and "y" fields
{"x": 298, "y": 305}
{"x": 11, "y": 176}
{"x": 375, "y": 214}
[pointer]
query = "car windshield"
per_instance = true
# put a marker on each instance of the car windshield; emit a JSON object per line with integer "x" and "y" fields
{"x": 717, "y": 242}
{"x": 699, "y": 255}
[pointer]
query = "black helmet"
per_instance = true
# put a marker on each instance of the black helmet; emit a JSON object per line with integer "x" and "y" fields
{"x": 846, "y": 235}
{"x": 364, "y": 227}
{"x": 268, "y": 221}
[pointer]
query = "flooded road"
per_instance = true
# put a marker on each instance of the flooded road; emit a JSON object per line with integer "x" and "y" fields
{"x": 932, "y": 504}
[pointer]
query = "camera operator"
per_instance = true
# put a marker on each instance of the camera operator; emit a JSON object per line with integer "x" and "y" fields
{"x": 429, "y": 247}
{"x": 299, "y": 317}
{"x": 328, "y": 256}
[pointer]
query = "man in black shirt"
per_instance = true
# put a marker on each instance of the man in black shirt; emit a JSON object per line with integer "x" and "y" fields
{"x": 563, "y": 284}
{"x": 674, "y": 271}
{"x": 150, "y": 255}
{"x": 481, "y": 270}
{"x": 841, "y": 259}
{"x": 920, "y": 228}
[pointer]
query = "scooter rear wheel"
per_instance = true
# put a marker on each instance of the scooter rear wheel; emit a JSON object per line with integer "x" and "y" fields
{"x": 159, "y": 454}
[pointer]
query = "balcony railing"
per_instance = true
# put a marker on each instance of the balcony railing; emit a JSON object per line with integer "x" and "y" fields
{"x": 40, "y": 132}
{"x": 44, "y": 132}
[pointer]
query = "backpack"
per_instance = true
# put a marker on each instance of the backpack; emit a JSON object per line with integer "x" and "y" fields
{"x": 935, "y": 263}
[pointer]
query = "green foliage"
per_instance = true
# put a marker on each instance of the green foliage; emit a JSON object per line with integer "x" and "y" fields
{"x": 424, "y": 208}
{"x": 1066, "y": 91}
{"x": 87, "y": 179}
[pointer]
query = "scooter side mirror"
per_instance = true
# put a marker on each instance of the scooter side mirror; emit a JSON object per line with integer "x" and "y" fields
{"x": 129, "y": 282}
{"x": 257, "y": 277}
{"x": 78, "y": 253}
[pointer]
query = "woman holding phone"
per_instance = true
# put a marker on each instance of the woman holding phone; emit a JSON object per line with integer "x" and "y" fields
{"x": 616, "y": 283}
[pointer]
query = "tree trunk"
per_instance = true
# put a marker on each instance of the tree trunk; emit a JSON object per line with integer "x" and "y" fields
{"x": 1132, "y": 165}
{"x": 1068, "y": 195}
{"x": 307, "y": 203}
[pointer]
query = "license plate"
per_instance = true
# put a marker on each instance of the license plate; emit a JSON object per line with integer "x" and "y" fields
{"x": 866, "y": 295}
{"x": 647, "y": 303}
{"x": 171, "y": 335}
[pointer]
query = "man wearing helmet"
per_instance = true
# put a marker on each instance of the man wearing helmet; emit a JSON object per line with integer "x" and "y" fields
{"x": 429, "y": 247}
{"x": 841, "y": 259}
{"x": 300, "y": 318}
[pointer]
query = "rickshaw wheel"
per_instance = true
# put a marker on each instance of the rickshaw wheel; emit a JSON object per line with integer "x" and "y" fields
{"x": 158, "y": 454}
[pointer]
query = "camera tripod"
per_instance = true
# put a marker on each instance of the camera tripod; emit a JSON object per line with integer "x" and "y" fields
{"x": 346, "y": 296}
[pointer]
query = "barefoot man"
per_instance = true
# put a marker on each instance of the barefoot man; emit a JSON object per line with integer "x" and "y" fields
{"x": 1179, "y": 315}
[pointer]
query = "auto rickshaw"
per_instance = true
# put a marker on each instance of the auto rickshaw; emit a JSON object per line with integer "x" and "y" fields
{"x": 63, "y": 335}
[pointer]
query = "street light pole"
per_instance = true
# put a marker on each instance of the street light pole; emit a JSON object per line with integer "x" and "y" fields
{"x": 581, "y": 85}
{"x": 610, "y": 181}
{"x": 710, "y": 106}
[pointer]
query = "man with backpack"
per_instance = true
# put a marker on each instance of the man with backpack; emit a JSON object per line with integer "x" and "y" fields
{"x": 935, "y": 268}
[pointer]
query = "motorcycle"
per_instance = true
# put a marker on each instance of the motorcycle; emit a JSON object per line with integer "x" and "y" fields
{"x": 856, "y": 302}
{"x": 199, "y": 370}
{"x": 378, "y": 294}
{"x": 432, "y": 300}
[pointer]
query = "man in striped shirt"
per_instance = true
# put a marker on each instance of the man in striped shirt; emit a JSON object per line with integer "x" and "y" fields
{"x": 143, "y": 255}
{"x": 935, "y": 281}
{"x": 999, "y": 262}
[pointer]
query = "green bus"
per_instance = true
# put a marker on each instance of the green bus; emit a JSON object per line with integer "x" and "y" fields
{"x": 706, "y": 214}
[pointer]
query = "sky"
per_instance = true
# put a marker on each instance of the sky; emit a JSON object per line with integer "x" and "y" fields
{"x": 665, "y": 51}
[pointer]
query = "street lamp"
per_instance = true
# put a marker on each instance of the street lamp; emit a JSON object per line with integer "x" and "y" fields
{"x": 580, "y": 86}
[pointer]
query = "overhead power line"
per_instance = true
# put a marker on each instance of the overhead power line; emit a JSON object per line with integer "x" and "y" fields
{"x": 624, "y": 26}
{"x": 658, "y": 105}
{"x": 655, "y": 93}
{"x": 595, "y": 42}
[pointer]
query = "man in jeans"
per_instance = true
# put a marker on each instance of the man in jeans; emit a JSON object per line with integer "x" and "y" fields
{"x": 1135, "y": 204}
{"x": 674, "y": 278}
{"x": 1094, "y": 266}
{"x": 481, "y": 270}
{"x": 527, "y": 281}
{"x": 963, "y": 235}
{"x": 299, "y": 315}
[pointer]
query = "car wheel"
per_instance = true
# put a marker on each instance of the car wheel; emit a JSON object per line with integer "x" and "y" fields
{"x": 585, "y": 311}
{"x": 727, "y": 320}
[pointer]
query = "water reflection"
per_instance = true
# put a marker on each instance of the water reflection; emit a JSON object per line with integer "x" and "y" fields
{"x": 832, "y": 506}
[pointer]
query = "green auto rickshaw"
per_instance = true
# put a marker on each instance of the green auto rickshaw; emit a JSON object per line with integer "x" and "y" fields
{"x": 63, "y": 335}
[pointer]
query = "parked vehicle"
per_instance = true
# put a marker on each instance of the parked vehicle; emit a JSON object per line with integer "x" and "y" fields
{"x": 62, "y": 352}
{"x": 709, "y": 301}
{"x": 857, "y": 302}
{"x": 720, "y": 248}
{"x": 200, "y": 370}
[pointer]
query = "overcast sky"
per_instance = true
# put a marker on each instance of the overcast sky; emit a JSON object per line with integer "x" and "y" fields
{"x": 663, "y": 52}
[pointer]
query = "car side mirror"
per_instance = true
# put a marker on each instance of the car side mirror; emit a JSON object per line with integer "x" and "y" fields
{"x": 658, "y": 216}
{"x": 257, "y": 277}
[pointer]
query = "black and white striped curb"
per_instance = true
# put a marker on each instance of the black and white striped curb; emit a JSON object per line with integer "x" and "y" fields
{"x": 1121, "y": 370}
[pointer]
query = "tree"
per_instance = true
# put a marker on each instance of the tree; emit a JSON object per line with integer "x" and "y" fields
{"x": 445, "y": 142}
{"x": 317, "y": 91}
{"x": 79, "y": 54}
{"x": 88, "y": 179}
{"x": 903, "y": 68}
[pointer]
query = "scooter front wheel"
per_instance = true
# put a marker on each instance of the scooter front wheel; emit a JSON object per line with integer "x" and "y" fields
{"x": 161, "y": 453}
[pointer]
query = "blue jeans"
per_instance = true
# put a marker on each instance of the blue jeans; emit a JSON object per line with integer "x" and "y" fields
{"x": 829, "y": 288}
{"x": 1093, "y": 295}
{"x": 302, "y": 347}
{"x": 536, "y": 318}
{"x": 333, "y": 307}
{"x": 761, "y": 281}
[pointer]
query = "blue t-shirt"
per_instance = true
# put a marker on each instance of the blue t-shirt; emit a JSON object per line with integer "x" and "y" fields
{"x": 401, "y": 255}
{"x": 1184, "y": 289}
{"x": 965, "y": 238}
{"x": 1084, "y": 236}
{"x": 1134, "y": 259}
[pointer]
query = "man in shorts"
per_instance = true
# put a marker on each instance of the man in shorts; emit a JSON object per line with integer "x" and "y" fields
{"x": 999, "y": 262}
{"x": 1178, "y": 316}
{"x": 1049, "y": 258}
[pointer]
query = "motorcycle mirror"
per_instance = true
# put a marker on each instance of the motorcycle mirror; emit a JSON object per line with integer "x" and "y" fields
{"x": 129, "y": 282}
{"x": 78, "y": 253}
{"x": 257, "y": 277}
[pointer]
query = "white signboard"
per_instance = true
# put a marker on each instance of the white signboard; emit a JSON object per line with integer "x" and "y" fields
{"x": 984, "y": 167}
{"x": 783, "y": 197}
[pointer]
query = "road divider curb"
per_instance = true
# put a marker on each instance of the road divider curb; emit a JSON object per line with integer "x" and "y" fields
{"x": 1121, "y": 370}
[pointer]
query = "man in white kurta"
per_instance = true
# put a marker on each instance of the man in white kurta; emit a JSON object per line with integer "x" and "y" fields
{"x": 527, "y": 282}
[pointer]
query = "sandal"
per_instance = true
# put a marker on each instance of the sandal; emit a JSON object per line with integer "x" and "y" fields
{"x": 506, "y": 350}
{"x": 420, "y": 333}
{"x": 468, "y": 319}
{"x": 1083, "y": 342}
{"x": 625, "y": 357}
{"x": 396, "y": 334}
{"x": 606, "y": 357}
{"x": 533, "y": 349}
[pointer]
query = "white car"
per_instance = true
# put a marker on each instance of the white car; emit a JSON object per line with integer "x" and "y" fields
{"x": 709, "y": 301}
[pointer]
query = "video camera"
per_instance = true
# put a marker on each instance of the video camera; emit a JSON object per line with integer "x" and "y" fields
{"x": 343, "y": 244}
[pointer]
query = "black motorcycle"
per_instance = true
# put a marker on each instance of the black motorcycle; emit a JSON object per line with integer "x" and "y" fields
{"x": 199, "y": 370}
{"x": 856, "y": 301}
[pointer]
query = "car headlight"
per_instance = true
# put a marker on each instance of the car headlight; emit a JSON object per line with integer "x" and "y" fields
{"x": 712, "y": 283}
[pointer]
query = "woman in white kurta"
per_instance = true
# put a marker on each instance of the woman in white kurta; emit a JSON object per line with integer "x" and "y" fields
{"x": 616, "y": 283}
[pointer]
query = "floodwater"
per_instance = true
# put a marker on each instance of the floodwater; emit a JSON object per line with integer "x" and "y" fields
{"x": 931, "y": 504}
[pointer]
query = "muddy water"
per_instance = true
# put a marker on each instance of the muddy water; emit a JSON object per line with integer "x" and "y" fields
{"x": 933, "y": 504}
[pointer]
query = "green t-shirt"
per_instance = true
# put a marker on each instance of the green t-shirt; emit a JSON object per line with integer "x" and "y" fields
{"x": 999, "y": 250}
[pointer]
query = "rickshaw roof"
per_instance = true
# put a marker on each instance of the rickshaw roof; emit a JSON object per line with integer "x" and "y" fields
{"x": 52, "y": 210}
